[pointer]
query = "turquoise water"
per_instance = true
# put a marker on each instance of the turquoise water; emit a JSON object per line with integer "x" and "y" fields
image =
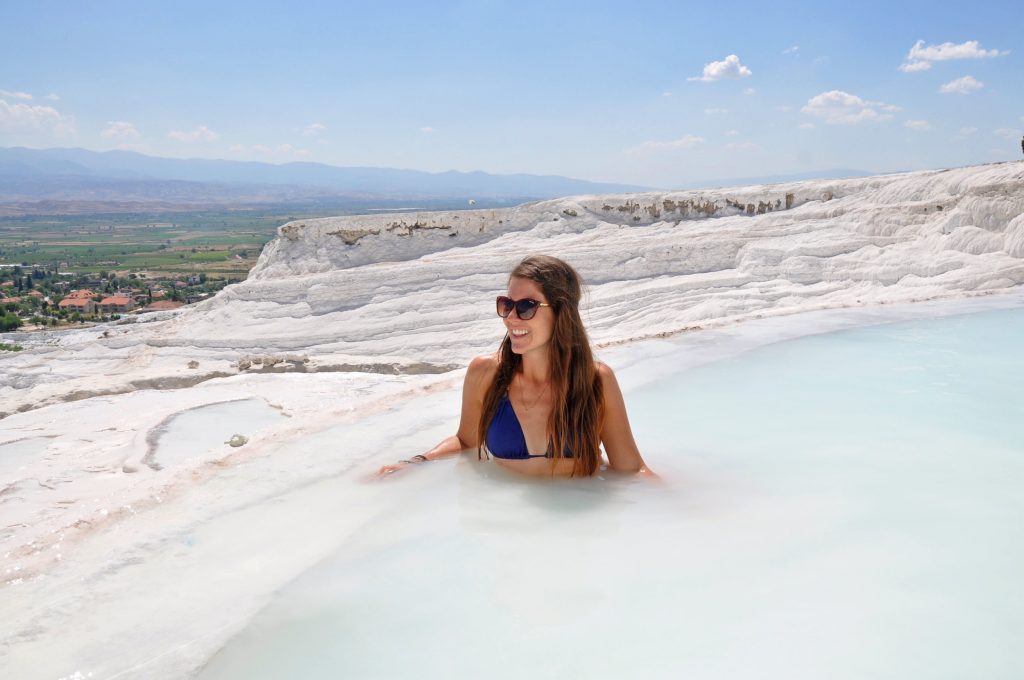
{"x": 846, "y": 505}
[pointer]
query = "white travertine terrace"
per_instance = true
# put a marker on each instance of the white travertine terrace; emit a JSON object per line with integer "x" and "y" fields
{"x": 412, "y": 292}
{"x": 347, "y": 318}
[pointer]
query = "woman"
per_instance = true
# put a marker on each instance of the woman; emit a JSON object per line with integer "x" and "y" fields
{"x": 541, "y": 404}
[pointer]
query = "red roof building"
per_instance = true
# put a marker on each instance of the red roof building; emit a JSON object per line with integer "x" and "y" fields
{"x": 116, "y": 304}
{"x": 81, "y": 305}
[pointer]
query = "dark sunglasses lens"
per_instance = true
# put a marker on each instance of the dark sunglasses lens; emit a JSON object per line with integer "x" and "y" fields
{"x": 525, "y": 309}
{"x": 504, "y": 306}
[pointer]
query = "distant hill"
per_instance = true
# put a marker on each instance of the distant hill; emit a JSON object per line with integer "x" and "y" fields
{"x": 82, "y": 175}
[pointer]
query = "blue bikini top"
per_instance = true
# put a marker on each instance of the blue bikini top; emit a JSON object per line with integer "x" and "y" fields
{"x": 505, "y": 437}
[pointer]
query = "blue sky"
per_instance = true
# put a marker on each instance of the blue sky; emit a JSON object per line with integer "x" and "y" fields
{"x": 653, "y": 93}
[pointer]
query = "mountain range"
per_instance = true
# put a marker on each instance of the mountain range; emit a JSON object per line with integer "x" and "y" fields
{"x": 49, "y": 178}
{"x": 80, "y": 174}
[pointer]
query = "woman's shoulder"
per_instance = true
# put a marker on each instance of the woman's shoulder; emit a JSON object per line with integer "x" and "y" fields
{"x": 609, "y": 383}
{"x": 482, "y": 368}
{"x": 480, "y": 374}
{"x": 484, "y": 363}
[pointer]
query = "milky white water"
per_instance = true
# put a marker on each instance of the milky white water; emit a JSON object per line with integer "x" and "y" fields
{"x": 134, "y": 542}
{"x": 844, "y": 505}
{"x": 189, "y": 434}
{"x": 14, "y": 455}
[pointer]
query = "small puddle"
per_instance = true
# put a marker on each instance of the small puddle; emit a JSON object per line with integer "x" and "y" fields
{"x": 15, "y": 455}
{"x": 193, "y": 432}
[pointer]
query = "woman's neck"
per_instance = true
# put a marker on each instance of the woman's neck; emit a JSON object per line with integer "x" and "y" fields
{"x": 536, "y": 368}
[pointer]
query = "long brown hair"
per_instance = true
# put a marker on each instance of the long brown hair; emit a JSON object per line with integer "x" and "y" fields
{"x": 578, "y": 409}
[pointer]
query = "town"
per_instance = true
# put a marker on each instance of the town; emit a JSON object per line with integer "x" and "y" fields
{"x": 34, "y": 298}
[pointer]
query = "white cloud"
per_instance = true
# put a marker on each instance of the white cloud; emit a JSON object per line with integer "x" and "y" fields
{"x": 52, "y": 97}
{"x": 791, "y": 50}
{"x": 119, "y": 129}
{"x": 749, "y": 91}
{"x": 920, "y": 56}
{"x": 919, "y": 125}
{"x": 806, "y": 126}
{"x": 1009, "y": 133}
{"x": 961, "y": 85}
{"x": 426, "y": 128}
{"x": 912, "y": 66}
{"x": 731, "y": 133}
{"x": 289, "y": 150}
{"x": 15, "y": 95}
{"x": 713, "y": 111}
{"x": 200, "y": 134}
{"x": 728, "y": 68}
{"x": 313, "y": 130}
{"x": 836, "y": 107}
{"x": 38, "y": 117}
{"x": 965, "y": 131}
{"x": 783, "y": 108}
{"x": 666, "y": 93}
{"x": 966, "y": 50}
{"x": 741, "y": 145}
{"x": 684, "y": 142}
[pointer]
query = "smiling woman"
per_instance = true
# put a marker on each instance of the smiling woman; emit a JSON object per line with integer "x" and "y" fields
{"x": 541, "y": 404}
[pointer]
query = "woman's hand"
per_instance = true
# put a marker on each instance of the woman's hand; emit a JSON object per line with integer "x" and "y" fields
{"x": 393, "y": 467}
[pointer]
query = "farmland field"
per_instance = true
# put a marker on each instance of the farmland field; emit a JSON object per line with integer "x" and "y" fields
{"x": 219, "y": 242}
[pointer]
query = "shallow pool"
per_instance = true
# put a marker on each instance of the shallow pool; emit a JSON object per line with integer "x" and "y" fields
{"x": 193, "y": 432}
{"x": 845, "y": 505}
{"x": 15, "y": 454}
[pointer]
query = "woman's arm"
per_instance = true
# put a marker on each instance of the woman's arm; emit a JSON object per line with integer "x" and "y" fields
{"x": 616, "y": 435}
{"x": 478, "y": 378}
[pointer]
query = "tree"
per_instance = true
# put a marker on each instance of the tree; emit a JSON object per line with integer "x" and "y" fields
{"x": 9, "y": 322}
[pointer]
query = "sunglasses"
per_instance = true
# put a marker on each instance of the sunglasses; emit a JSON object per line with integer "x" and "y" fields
{"x": 525, "y": 309}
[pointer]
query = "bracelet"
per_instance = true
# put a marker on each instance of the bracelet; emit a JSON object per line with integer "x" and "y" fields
{"x": 415, "y": 460}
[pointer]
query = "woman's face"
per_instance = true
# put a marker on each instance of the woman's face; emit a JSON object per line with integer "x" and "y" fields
{"x": 533, "y": 335}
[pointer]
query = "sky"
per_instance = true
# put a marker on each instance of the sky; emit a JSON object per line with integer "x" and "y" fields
{"x": 658, "y": 94}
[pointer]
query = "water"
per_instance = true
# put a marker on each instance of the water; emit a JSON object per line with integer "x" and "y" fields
{"x": 16, "y": 454}
{"x": 195, "y": 431}
{"x": 845, "y": 505}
